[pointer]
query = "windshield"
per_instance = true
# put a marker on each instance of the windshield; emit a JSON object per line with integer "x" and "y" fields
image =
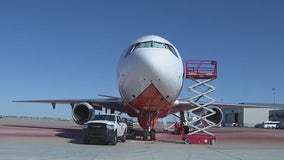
{"x": 105, "y": 117}
{"x": 151, "y": 44}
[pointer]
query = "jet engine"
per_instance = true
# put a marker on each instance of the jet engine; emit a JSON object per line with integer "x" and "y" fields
{"x": 82, "y": 113}
{"x": 216, "y": 118}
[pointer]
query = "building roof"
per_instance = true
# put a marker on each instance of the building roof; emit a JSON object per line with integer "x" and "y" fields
{"x": 268, "y": 105}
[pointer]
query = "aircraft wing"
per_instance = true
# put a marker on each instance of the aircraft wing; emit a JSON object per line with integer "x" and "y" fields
{"x": 183, "y": 105}
{"x": 113, "y": 103}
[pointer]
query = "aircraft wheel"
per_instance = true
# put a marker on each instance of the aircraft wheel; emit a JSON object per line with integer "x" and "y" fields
{"x": 145, "y": 135}
{"x": 153, "y": 135}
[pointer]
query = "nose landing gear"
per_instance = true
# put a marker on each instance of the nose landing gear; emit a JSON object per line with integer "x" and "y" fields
{"x": 151, "y": 133}
{"x": 148, "y": 120}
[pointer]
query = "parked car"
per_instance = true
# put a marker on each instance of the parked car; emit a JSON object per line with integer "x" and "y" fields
{"x": 259, "y": 125}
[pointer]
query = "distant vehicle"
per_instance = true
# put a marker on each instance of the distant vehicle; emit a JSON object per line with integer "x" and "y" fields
{"x": 259, "y": 125}
{"x": 270, "y": 124}
{"x": 280, "y": 125}
{"x": 234, "y": 124}
{"x": 106, "y": 127}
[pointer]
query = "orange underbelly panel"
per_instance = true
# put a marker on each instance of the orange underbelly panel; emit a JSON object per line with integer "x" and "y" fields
{"x": 150, "y": 100}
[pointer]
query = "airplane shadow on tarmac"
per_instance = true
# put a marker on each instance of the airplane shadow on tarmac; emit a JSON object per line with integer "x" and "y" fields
{"x": 73, "y": 135}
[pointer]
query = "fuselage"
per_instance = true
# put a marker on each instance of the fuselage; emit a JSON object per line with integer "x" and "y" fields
{"x": 150, "y": 77}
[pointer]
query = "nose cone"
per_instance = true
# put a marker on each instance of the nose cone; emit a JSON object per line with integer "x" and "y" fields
{"x": 150, "y": 66}
{"x": 159, "y": 66}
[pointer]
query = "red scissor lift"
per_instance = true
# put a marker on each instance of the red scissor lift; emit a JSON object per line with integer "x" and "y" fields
{"x": 201, "y": 72}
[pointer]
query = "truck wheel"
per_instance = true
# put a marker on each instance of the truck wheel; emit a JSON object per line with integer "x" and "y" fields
{"x": 123, "y": 137}
{"x": 114, "y": 141}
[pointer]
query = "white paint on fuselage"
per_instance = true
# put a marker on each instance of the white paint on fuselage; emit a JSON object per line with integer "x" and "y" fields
{"x": 145, "y": 66}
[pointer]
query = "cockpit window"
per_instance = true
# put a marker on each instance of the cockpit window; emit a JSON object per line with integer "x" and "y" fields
{"x": 158, "y": 45}
{"x": 173, "y": 50}
{"x": 151, "y": 44}
{"x": 130, "y": 49}
{"x": 144, "y": 45}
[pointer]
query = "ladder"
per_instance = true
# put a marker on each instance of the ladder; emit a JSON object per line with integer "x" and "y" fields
{"x": 201, "y": 72}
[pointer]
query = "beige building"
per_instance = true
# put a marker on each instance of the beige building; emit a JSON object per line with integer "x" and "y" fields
{"x": 248, "y": 116}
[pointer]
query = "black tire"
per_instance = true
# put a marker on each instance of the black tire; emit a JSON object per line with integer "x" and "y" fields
{"x": 133, "y": 135}
{"x": 114, "y": 141}
{"x": 145, "y": 135}
{"x": 124, "y": 136}
{"x": 153, "y": 135}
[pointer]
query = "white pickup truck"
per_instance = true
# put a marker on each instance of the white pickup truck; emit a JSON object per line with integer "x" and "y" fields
{"x": 105, "y": 127}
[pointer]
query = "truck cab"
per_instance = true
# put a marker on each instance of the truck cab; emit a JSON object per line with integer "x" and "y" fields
{"x": 105, "y": 128}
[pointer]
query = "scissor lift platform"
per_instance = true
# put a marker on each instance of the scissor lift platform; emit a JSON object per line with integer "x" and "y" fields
{"x": 201, "y": 72}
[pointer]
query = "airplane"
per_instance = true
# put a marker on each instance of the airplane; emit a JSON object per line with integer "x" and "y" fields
{"x": 150, "y": 77}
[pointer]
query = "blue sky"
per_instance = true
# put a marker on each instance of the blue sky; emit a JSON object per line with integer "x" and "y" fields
{"x": 57, "y": 49}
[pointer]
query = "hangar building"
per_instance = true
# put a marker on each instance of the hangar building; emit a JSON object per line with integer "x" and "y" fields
{"x": 276, "y": 115}
{"x": 249, "y": 117}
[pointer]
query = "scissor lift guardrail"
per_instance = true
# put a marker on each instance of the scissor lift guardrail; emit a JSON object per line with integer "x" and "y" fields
{"x": 201, "y": 72}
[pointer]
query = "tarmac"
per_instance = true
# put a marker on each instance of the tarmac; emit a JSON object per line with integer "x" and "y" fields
{"x": 25, "y": 138}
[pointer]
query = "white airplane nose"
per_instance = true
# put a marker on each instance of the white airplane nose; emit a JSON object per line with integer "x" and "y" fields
{"x": 156, "y": 66}
{"x": 150, "y": 78}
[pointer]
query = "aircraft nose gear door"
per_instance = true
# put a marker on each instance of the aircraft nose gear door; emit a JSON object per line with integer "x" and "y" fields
{"x": 201, "y": 72}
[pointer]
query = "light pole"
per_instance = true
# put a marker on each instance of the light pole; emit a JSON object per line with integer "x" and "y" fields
{"x": 273, "y": 90}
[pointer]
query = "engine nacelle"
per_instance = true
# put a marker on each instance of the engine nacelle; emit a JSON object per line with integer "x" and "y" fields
{"x": 216, "y": 118}
{"x": 82, "y": 113}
